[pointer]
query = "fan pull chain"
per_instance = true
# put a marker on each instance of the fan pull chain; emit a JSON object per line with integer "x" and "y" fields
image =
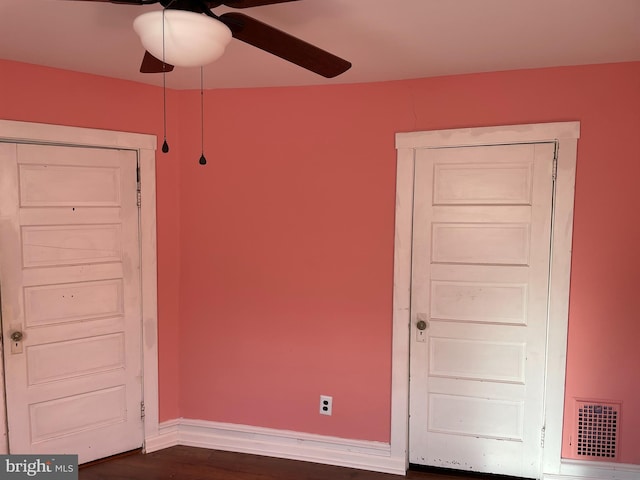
{"x": 165, "y": 145}
{"x": 203, "y": 160}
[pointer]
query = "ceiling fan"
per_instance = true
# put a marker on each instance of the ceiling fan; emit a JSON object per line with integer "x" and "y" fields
{"x": 251, "y": 31}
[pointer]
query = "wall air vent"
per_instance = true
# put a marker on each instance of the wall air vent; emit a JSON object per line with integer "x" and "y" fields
{"x": 597, "y": 426}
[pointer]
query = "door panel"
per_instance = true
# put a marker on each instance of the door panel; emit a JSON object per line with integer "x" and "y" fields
{"x": 481, "y": 236}
{"x": 58, "y": 245}
{"x": 475, "y": 243}
{"x": 69, "y": 267}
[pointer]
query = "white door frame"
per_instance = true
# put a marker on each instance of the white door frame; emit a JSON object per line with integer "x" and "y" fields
{"x": 566, "y": 134}
{"x": 144, "y": 146}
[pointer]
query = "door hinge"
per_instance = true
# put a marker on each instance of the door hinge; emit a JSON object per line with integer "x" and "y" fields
{"x": 138, "y": 187}
{"x": 555, "y": 162}
{"x": 141, "y": 410}
{"x": 542, "y": 432}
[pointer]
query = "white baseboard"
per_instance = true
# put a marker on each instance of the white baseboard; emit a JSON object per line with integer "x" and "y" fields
{"x": 364, "y": 455}
{"x": 583, "y": 470}
{"x": 167, "y": 437}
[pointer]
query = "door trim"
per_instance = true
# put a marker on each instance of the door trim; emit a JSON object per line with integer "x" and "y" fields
{"x": 566, "y": 134}
{"x": 145, "y": 146}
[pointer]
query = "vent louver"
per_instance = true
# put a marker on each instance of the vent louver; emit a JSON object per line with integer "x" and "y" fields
{"x": 597, "y": 430}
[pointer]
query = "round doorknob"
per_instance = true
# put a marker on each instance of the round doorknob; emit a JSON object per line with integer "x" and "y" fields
{"x": 16, "y": 336}
{"x": 422, "y": 325}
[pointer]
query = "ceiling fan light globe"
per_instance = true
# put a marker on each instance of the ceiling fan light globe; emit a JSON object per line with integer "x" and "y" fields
{"x": 190, "y": 39}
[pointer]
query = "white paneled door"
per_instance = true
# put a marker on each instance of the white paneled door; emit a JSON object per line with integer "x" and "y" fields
{"x": 70, "y": 279}
{"x": 481, "y": 242}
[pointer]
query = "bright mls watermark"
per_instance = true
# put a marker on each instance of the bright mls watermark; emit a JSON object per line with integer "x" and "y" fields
{"x": 50, "y": 467}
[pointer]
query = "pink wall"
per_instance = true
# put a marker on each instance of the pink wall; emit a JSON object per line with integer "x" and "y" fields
{"x": 287, "y": 240}
{"x": 287, "y": 260}
{"x": 277, "y": 256}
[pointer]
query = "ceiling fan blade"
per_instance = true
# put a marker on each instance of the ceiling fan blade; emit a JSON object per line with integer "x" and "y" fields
{"x": 283, "y": 45}
{"x": 251, "y": 3}
{"x": 151, "y": 64}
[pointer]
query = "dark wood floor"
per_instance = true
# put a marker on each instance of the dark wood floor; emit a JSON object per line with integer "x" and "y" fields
{"x": 189, "y": 463}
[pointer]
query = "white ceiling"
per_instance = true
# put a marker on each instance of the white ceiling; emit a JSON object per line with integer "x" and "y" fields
{"x": 384, "y": 39}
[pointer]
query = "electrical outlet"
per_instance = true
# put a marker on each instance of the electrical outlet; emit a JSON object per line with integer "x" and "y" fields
{"x": 326, "y": 405}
